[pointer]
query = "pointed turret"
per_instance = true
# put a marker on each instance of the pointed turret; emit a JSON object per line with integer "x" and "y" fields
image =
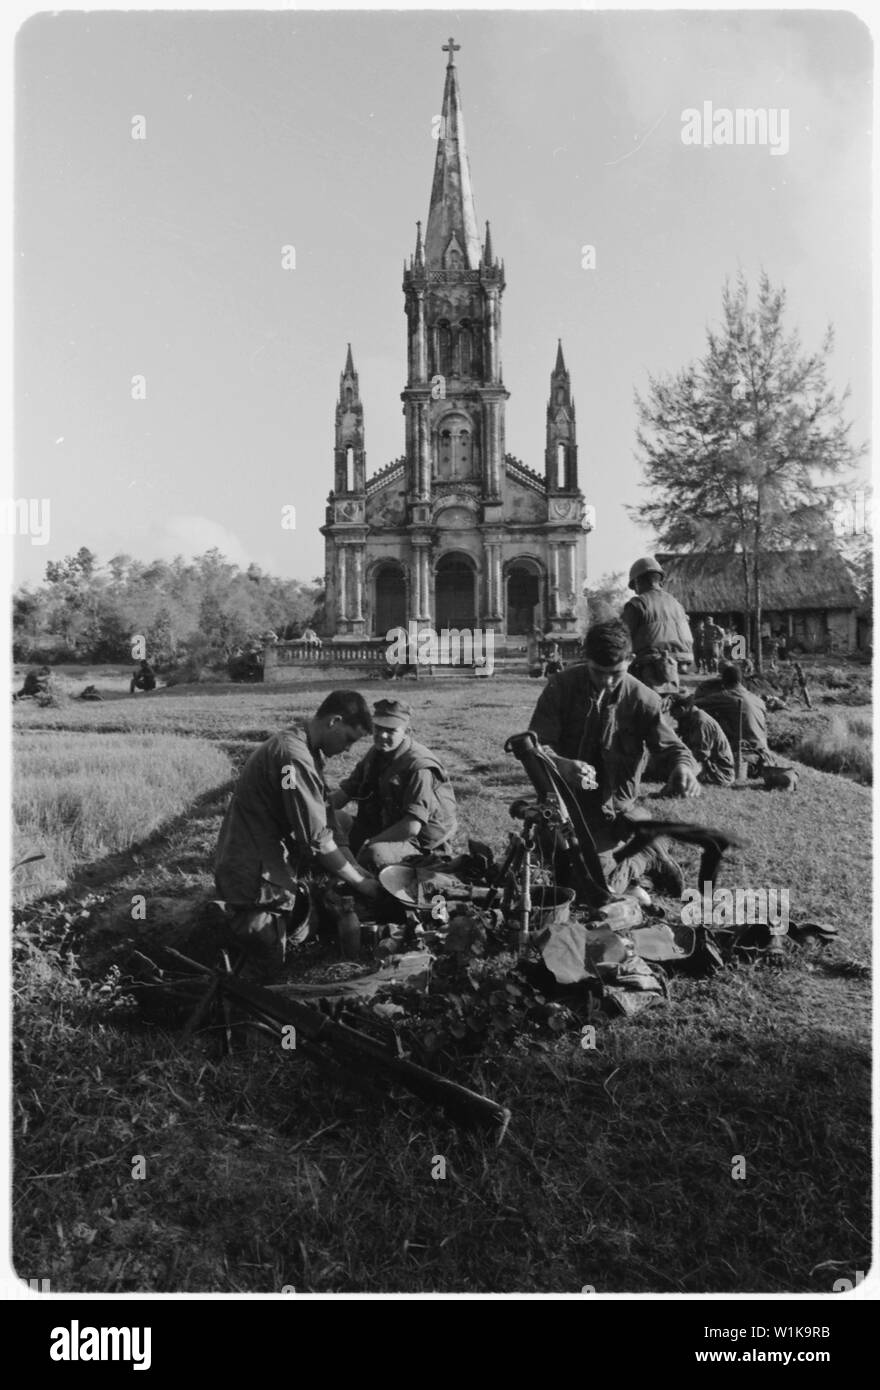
{"x": 419, "y": 257}
{"x": 488, "y": 252}
{"x": 350, "y": 460}
{"x": 560, "y": 455}
{"x": 452, "y": 240}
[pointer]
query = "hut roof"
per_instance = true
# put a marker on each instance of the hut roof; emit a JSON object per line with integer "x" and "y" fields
{"x": 790, "y": 579}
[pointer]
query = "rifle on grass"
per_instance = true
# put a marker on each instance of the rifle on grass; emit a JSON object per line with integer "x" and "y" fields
{"x": 322, "y": 1038}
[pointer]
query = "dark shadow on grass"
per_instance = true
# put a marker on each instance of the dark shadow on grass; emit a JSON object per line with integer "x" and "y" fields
{"x": 98, "y": 874}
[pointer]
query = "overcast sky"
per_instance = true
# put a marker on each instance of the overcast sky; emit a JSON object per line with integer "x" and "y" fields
{"x": 161, "y": 257}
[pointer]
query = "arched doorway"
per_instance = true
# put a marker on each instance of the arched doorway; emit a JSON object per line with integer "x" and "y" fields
{"x": 523, "y": 599}
{"x": 454, "y": 593}
{"x": 390, "y": 605}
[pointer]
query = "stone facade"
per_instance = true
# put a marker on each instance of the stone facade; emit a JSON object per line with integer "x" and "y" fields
{"x": 456, "y": 532}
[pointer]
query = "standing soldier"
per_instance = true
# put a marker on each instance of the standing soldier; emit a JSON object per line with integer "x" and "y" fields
{"x": 659, "y": 629}
{"x": 700, "y": 647}
{"x": 713, "y": 636}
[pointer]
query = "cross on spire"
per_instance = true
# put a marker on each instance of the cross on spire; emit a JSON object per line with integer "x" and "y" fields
{"x": 451, "y": 48}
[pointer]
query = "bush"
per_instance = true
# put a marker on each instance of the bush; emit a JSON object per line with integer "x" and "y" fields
{"x": 844, "y": 746}
{"x": 194, "y": 673}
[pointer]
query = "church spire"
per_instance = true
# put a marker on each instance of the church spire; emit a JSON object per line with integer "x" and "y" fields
{"x": 560, "y": 454}
{"x": 452, "y": 239}
{"x": 350, "y": 459}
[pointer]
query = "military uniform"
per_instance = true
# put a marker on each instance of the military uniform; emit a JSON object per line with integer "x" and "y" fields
{"x": 615, "y": 732}
{"x": 410, "y": 783}
{"x": 661, "y": 637}
{"x": 740, "y": 714}
{"x": 713, "y": 638}
{"x": 276, "y": 821}
{"x": 709, "y": 744}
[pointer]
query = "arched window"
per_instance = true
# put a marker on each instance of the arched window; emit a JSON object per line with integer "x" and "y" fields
{"x": 463, "y": 453}
{"x": 561, "y": 465}
{"x": 455, "y": 449}
{"x": 348, "y": 395}
{"x": 444, "y": 348}
{"x": 444, "y": 460}
{"x": 465, "y": 348}
{"x": 349, "y": 469}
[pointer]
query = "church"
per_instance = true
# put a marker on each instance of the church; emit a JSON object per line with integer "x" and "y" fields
{"x": 456, "y": 533}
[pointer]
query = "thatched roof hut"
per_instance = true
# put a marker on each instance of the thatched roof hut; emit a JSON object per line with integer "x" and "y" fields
{"x": 808, "y": 594}
{"x": 792, "y": 579}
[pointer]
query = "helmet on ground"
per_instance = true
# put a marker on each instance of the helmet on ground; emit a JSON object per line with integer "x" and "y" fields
{"x": 646, "y": 565}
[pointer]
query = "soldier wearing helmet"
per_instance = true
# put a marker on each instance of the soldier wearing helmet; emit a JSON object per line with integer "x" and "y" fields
{"x": 658, "y": 627}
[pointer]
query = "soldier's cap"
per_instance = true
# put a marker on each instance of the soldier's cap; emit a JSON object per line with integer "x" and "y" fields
{"x": 392, "y": 714}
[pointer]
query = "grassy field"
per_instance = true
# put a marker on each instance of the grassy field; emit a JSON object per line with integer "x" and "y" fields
{"x": 259, "y": 1173}
{"x": 80, "y": 796}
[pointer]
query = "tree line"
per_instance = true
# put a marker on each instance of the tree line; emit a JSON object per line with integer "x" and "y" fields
{"x": 202, "y": 611}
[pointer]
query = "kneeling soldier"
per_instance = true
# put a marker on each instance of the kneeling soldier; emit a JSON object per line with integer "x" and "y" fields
{"x": 276, "y": 831}
{"x": 406, "y": 804}
{"x": 706, "y": 739}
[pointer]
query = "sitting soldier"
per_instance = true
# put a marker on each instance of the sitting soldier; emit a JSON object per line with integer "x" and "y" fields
{"x": 36, "y": 682}
{"x": 406, "y": 804}
{"x": 706, "y": 739}
{"x": 144, "y": 678}
{"x": 741, "y": 714}
{"x": 599, "y": 725}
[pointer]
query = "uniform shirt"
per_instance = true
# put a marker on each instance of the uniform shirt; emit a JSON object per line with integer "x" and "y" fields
{"x": 614, "y": 736}
{"x": 657, "y": 622}
{"x": 708, "y": 742}
{"x": 725, "y": 705}
{"x": 277, "y": 819}
{"x": 410, "y": 782}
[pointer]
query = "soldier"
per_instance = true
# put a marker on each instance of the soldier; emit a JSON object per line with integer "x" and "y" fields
{"x": 706, "y": 739}
{"x": 699, "y": 632}
{"x": 36, "y": 682}
{"x": 406, "y": 804}
{"x": 599, "y": 724}
{"x": 144, "y": 678}
{"x": 276, "y": 827}
{"x": 659, "y": 629}
{"x": 741, "y": 714}
{"x": 713, "y": 637}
